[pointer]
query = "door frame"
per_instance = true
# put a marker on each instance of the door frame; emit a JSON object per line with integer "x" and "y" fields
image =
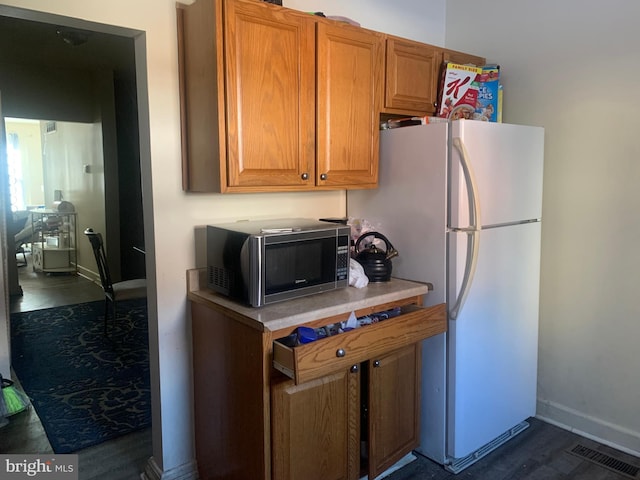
{"x": 144, "y": 143}
{"x": 5, "y": 337}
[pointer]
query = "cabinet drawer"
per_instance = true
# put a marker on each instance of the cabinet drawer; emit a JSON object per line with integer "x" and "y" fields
{"x": 306, "y": 362}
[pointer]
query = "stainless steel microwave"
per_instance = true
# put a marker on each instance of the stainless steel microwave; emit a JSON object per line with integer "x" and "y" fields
{"x": 267, "y": 261}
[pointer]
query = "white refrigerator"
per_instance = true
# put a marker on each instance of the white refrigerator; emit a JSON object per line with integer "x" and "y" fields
{"x": 462, "y": 204}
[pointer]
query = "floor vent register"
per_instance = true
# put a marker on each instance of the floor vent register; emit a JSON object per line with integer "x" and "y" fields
{"x": 606, "y": 461}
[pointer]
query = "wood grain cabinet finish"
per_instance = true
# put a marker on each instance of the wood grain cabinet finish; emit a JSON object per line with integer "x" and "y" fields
{"x": 412, "y": 70}
{"x": 306, "y": 362}
{"x": 412, "y": 75}
{"x": 254, "y": 422}
{"x": 393, "y": 406}
{"x": 276, "y": 100}
{"x": 388, "y": 355}
{"x": 270, "y": 84}
{"x": 273, "y": 99}
{"x": 316, "y": 427}
{"x": 349, "y": 83}
{"x": 320, "y": 420}
{"x": 461, "y": 58}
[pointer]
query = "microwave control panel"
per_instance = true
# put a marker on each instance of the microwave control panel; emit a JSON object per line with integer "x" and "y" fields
{"x": 343, "y": 255}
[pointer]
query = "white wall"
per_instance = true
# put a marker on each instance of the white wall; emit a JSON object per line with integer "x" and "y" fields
{"x": 171, "y": 251}
{"x": 55, "y": 161}
{"x": 420, "y": 20}
{"x": 66, "y": 151}
{"x": 573, "y": 68}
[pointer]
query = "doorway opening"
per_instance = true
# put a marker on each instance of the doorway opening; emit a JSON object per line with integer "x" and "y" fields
{"x": 81, "y": 75}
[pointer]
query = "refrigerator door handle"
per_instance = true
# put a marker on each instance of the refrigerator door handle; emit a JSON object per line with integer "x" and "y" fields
{"x": 473, "y": 237}
{"x": 470, "y": 179}
{"x": 473, "y": 244}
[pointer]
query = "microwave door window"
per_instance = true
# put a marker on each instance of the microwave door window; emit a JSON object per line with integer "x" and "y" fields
{"x": 296, "y": 265}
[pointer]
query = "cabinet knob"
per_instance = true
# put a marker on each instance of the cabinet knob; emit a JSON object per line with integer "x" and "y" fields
{"x": 354, "y": 369}
{"x": 376, "y": 363}
{"x": 305, "y": 176}
{"x": 340, "y": 353}
{"x": 323, "y": 176}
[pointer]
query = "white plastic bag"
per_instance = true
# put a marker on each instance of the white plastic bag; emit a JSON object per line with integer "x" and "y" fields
{"x": 357, "y": 277}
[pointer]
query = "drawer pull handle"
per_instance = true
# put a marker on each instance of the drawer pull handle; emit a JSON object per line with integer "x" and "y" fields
{"x": 354, "y": 369}
{"x": 340, "y": 353}
{"x": 376, "y": 363}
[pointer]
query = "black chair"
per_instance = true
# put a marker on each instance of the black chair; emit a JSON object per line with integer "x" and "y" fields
{"x": 113, "y": 292}
{"x": 26, "y": 232}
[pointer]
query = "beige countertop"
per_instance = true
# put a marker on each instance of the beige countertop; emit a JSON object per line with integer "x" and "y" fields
{"x": 291, "y": 313}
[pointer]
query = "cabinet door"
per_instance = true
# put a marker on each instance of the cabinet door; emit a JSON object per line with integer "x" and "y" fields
{"x": 316, "y": 428}
{"x": 411, "y": 76}
{"x": 349, "y": 81}
{"x": 394, "y": 407}
{"x": 270, "y": 93}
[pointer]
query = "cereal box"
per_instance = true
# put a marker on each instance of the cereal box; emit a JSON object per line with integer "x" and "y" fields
{"x": 487, "y": 103}
{"x": 459, "y": 90}
{"x": 499, "y": 103}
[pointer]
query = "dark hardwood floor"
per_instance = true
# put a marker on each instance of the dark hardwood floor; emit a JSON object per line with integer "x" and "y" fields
{"x": 43, "y": 290}
{"x": 538, "y": 453}
{"x": 119, "y": 459}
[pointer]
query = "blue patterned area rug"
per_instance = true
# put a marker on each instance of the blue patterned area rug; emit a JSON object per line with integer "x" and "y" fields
{"x": 85, "y": 388}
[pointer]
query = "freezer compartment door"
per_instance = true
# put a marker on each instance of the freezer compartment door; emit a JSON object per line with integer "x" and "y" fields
{"x": 493, "y": 343}
{"x": 506, "y": 162}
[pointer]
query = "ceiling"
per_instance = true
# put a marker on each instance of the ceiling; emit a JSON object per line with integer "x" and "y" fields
{"x": 49, "y": 44}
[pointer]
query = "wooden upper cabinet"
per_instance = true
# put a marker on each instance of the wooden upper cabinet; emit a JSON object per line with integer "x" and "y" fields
{"x": 461, "y": 58}
{"x": 412, "y": 71}
{"x": 201, "y": 95}
{"x": 274, "y": 99}
{"x": 412, "y": 75}
{"x": 349, "y": 98}
{"x": 270, "y": 84}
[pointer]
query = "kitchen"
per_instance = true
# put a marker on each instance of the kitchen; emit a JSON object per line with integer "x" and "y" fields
{"x": 587, "y": 378}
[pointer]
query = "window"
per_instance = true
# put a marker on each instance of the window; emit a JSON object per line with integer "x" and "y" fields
{"x": 14, "y": 166}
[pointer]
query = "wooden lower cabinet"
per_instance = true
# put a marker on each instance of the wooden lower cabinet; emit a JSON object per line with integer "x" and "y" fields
{"x": 316, "y": 428}
{"x": 231, "y": 416}
{"x": 346, "y": 425}
{"x": 393, "y": 407}
{"x": 334, "y": 409}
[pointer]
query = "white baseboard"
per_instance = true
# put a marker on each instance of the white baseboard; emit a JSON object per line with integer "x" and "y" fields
{"x": 152, "y": 471}
{"x": 604, "y": 432}
{"x": 89, "y": 275}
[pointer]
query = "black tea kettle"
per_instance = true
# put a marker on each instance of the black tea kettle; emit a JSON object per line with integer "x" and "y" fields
{"x": 375, "y": 262}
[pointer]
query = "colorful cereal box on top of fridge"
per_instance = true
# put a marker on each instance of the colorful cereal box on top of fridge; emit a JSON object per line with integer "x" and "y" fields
{"x": 487, "y": 104}
{"x": 459, "y": 90}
